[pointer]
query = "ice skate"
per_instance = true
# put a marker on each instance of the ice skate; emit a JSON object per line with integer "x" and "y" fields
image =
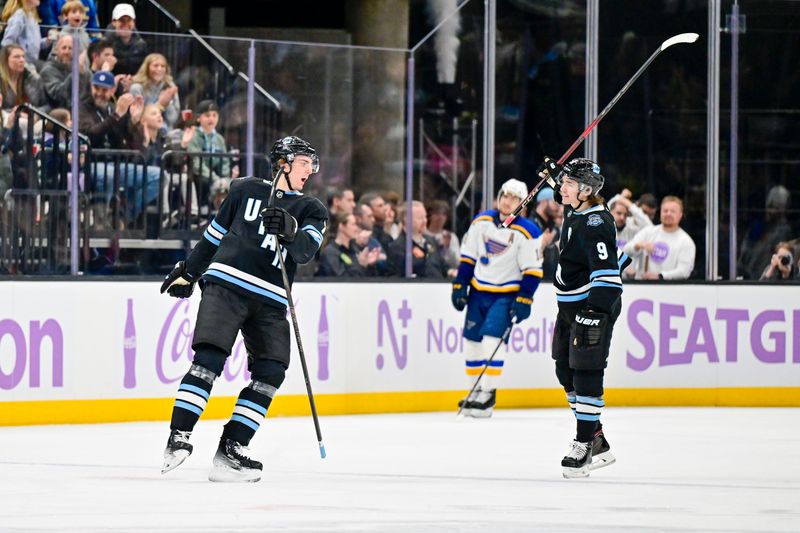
{"x": 483, "y": 404}
{"x": 465, "y": 405}
{"x": 177, "y": 450}
{"x": 578, "y": 461}
{"x": 601, "y": 451}
{"x": 231, "y": 464}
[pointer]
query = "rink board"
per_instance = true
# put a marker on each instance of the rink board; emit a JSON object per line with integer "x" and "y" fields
{"x": 90, "y": 351}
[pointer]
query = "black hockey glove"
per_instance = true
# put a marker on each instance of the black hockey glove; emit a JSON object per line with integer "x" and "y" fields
{"x": 589, "y": 328}
{"x": 550, "y": 168}
{"x": 279, "y": 222}
{"x": 178, "y": 283}
{"x": 521, "y": 308}
{"x": 459, "y": 296}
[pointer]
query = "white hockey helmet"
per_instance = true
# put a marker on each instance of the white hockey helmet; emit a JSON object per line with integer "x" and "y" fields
{"x": 514, "y": 188}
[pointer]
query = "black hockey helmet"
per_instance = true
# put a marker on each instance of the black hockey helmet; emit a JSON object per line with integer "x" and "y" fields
{"x": 585, "y": 172}
{"x": 284, "y": 151}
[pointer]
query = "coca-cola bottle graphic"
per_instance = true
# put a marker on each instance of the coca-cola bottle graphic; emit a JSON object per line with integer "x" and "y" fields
{"x": 322, "y": 341}
{"x": 129, "y": 349}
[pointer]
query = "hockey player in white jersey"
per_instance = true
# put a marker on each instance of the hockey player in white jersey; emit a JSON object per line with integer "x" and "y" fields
{"x": 499, "y": 270}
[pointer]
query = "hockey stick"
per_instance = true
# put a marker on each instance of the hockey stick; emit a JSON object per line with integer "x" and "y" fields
{"x": 296, "y": 326}
{"x": 677, "y": 39}
{"x": 506, "y": 333}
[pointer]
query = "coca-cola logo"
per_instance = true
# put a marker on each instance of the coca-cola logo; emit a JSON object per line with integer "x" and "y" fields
{"x": 174, "y": 349}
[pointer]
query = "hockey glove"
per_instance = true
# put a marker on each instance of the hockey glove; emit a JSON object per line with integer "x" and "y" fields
{"x": 521, "y": 308}
{"x": 550, "y": 168}
{"x": 178, "y": 283}
{"x": 459, "y": 296}
{"x": 279, "y": 222}
{"x": 589, "y": 328}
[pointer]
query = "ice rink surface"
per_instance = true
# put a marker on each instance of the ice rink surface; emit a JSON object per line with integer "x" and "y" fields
{"x": 678, "y": 469}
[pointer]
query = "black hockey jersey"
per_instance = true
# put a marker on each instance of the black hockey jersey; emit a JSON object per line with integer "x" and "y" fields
{"x": 236, "y": 251}
{"x": 589, "y": 267}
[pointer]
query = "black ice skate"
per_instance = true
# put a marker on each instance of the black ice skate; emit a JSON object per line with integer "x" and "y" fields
{"x": 177, "y": 450}
{"x": 601, "y": 451}
{"x": 578, "y": 461}
{"x": 483, "y": 404}
{"x": 231, "y": 464}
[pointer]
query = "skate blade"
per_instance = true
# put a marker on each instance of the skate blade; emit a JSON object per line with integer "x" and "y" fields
{"x": 480, "y": 413}
{"x": 173, "y": 460}
{"x": 602, "y": 460}
{"x": 573, "y": 473}
{"x": 226, "y": 474}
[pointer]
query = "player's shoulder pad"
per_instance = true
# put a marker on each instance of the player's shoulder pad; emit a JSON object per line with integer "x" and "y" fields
{"x": 596, "y": 217}
{"x": 488, "y": 215}
{"x": 526, "y": 227}
{"x": 247, "y": 182}
{"x": 312, "y": 207}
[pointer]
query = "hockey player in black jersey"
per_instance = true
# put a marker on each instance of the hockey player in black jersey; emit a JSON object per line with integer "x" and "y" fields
{"x": 588, "y": 289}
{"x": 238, "y": 269}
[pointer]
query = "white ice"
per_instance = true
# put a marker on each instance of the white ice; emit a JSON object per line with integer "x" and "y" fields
{"x": 678, "y": 469}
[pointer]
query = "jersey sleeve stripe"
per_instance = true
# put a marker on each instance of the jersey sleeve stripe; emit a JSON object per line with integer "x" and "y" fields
{"x": 521, "y": 230}
{"x": 571, "y": 297}
{"x": 484, "y": 217}
{"x": 538, "y": 272}
{"x": 214, "y": 224}
{"x": 313, "y": 232}
{"x": 467, "y": 259}
{"x": 211, "y": 239}
{"x": 214, "y": 232}
{"x": 604, "y": 284}
{"x": 606, "y": 272}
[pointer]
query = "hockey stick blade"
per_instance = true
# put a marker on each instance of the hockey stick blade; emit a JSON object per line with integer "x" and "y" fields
{"x": 682, "y": 38}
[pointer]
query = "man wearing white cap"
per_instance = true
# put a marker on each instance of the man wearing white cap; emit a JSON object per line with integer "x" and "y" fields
{"x": 129, "y": 47}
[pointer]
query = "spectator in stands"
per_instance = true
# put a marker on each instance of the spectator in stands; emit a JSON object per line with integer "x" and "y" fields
{"x": 782, "y": 266}
{"x": 106, "y": 126}
{"x": 764, "y": 234}
{"x": 22, "y": 28}
{"x": 629, "y": 218}
{"x": 446, "y": 240}
{"x": 101, "y": 56}
{"x": 647, "y": 202}
{"x": 154, "y": 82}
{"x": 391, "y": 226}
{"x": 129, "y": 47}
{"x": 6, "y": 174}
{"x": 57, "y": 73}
{"x": 379, "y": 211}
{"x": 50, "y": 12}
{"x": 206, "y": 139}
{"x": 426, "y": 260}
{"x": 546, "y": 216}
{"x": 341, "y": 257}
{"x": 149, "y": 137}
{"x": 664, "y": 251}
{"x": 74, "y": 15}
{"x": 341, "y": 200}
{"x": 365, "y": 238}
{"x": 19, "y": 84}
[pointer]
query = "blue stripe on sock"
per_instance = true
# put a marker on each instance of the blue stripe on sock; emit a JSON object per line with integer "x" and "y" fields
{"x": 254, "y": 406}
{"x": 246, "y": 421}
{"x": 588, "y": 417}
{"x": 195, "y": 389}
{"x": 473, "y": 364}
{"x": 189, "y": 407}
{"x": 591, "y": 400}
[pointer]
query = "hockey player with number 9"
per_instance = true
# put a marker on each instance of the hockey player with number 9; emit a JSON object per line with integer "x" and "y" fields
{"x": 499, "y": 271}
{"x": 588, "y": 289}
{"x": 244, "y": 291}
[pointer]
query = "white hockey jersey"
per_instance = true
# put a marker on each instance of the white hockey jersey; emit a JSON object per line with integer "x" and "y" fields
{"x": 501, "y": 257}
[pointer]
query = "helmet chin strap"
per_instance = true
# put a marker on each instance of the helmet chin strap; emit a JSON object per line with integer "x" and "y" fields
{"x": 581, "y": 188}
{"x": 286, "y": 175}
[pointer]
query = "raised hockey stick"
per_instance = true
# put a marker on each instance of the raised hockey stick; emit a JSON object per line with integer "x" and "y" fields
{"x": 506, "y": 333}
{"x": 677, "y": 39}
{"x": 296, "y": 326}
